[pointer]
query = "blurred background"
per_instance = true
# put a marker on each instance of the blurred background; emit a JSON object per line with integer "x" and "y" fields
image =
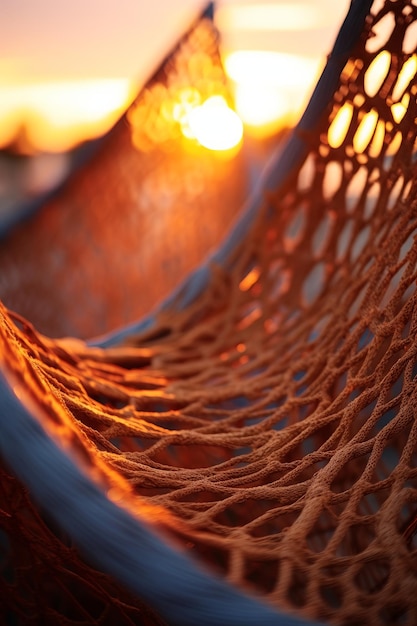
{"x": 69, "y": 70}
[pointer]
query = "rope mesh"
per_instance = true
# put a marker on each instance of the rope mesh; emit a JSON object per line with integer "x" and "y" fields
{"x": 270, "y": 425}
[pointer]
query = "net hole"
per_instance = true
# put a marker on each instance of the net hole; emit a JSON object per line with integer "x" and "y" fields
{"x": 262, "y": 575}
{"x": 391, "y": 455}
{"x": 281, "y": 284}
{"x": 131, "y": 444}
{"x": 408, "y": 512}
{"x": 394, "y": 616}
{"x": 332, "y": 595}
{"x": 377, "y": 141}
{"x": 393, "y": 147}
{"x": 344, "y": 240}
{"x": 306, "y": 174}
{"x": 406, "y": 190}
{"x": 395, "y": 193}
{"x": 406, "y": 75}
{"x": 362, "y": 238}
{"x": 332, "y": 180}
{"x": 322, "y": 532}
{"x": 297, "y": 591}
{"x": 295, "y": 229}
{"x": 190, "y": 457}
{"x": 358, "y": 303}
{"x": 356, "y": 540}
{"x": 349, "y": 474}
{"x": 407, "y": 247}
{"x": 376, "y": 73}
{"x": 356, "y": 188}
{"x": 392, "y": 288}
{"x": 339, "y": 127}
{"x": 381, "y": 33}
{"x": 313, "y": 284}
{"x": 371, "y": 200}
{"x": 373, "y": 576}
{"x": 371, "y": 502}
{"x": 399, "y": 109}
{"x": 240, "y": 514}
{"x": 322, "y": 234}
{"x": 365, "y": 131}
{"x": 410, "y": 38}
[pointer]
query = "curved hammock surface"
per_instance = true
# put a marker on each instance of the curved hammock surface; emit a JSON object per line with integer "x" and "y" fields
{"x": 246, "y": 454}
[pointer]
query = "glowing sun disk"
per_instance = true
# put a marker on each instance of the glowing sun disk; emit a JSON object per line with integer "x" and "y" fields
{"x": 215, "y": 125}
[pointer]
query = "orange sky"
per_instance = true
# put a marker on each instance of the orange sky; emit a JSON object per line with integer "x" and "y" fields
{"x": 86, "y": 55}
{"x": 46, "y": 39}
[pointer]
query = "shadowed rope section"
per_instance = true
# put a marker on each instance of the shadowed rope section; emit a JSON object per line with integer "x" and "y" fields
{"x": 116, "y": 542}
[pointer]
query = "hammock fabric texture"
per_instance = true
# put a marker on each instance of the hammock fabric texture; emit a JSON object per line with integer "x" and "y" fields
{"x": 262, "y": 423}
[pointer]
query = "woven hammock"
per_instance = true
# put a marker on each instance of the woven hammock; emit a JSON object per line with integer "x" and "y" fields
{"x": 246, "y": 453}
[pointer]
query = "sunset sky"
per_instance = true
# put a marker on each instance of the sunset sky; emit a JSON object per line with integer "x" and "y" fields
{"x": 89, "y": 55}
{"x": 47, "y": 39}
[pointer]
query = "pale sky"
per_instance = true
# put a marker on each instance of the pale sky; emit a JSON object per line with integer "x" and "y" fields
{"x": 45, "y": 39}
{"x": 49, "y": 39}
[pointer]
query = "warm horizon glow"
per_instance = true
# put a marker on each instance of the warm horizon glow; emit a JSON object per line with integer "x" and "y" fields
{"x": 55, "y": 116}
{"x": 270, "y": 87}
{"x": 284, "y": 16}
